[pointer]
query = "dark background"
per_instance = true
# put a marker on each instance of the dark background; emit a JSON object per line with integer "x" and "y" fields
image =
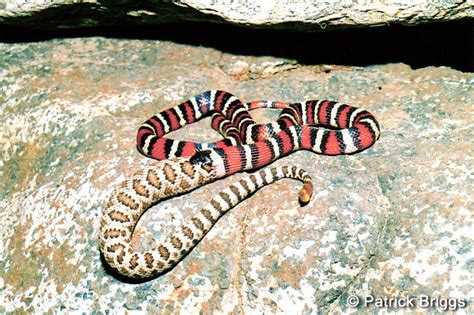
{"x": 447, "y": 44}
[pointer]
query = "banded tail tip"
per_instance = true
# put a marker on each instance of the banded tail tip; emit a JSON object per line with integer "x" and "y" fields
{"x": 305, "y": 193}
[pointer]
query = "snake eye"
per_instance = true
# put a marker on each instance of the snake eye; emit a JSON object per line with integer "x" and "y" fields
{"x": 201, "y": 157}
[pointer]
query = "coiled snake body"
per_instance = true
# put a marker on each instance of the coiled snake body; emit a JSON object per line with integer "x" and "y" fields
{"x": 324, "y": 127}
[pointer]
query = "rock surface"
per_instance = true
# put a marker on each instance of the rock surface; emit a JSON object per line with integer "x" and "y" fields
{"x": 310, "y": 15}
{"x": 395, "y": 220}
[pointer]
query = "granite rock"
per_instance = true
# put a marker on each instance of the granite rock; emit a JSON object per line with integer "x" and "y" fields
{"x": 394, "y": 221}
{"x": 299, "y": 14}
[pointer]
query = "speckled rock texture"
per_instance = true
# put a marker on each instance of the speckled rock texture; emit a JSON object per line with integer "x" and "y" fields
{"x": 394, "y": 221}
{"x": 299, "y": 14}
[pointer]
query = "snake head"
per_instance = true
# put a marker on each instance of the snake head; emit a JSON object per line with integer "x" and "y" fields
{"x": 204, "y": 159}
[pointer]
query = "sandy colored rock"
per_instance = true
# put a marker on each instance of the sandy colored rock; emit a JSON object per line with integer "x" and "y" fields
{"x": 299, "y": 14}
{"x": 395, "y": 220}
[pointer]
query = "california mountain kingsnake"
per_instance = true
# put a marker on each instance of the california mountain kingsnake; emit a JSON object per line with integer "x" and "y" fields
{"x": 324, "y": 127}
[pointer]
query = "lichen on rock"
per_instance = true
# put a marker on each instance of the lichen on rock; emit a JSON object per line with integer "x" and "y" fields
{"x": 390, "y": 221}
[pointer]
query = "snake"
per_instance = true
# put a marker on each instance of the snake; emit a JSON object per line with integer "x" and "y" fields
{"x": 180, "y": 166}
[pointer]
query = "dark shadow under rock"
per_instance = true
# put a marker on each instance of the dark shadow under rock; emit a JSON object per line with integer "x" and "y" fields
{"x": 442, "y": 44}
